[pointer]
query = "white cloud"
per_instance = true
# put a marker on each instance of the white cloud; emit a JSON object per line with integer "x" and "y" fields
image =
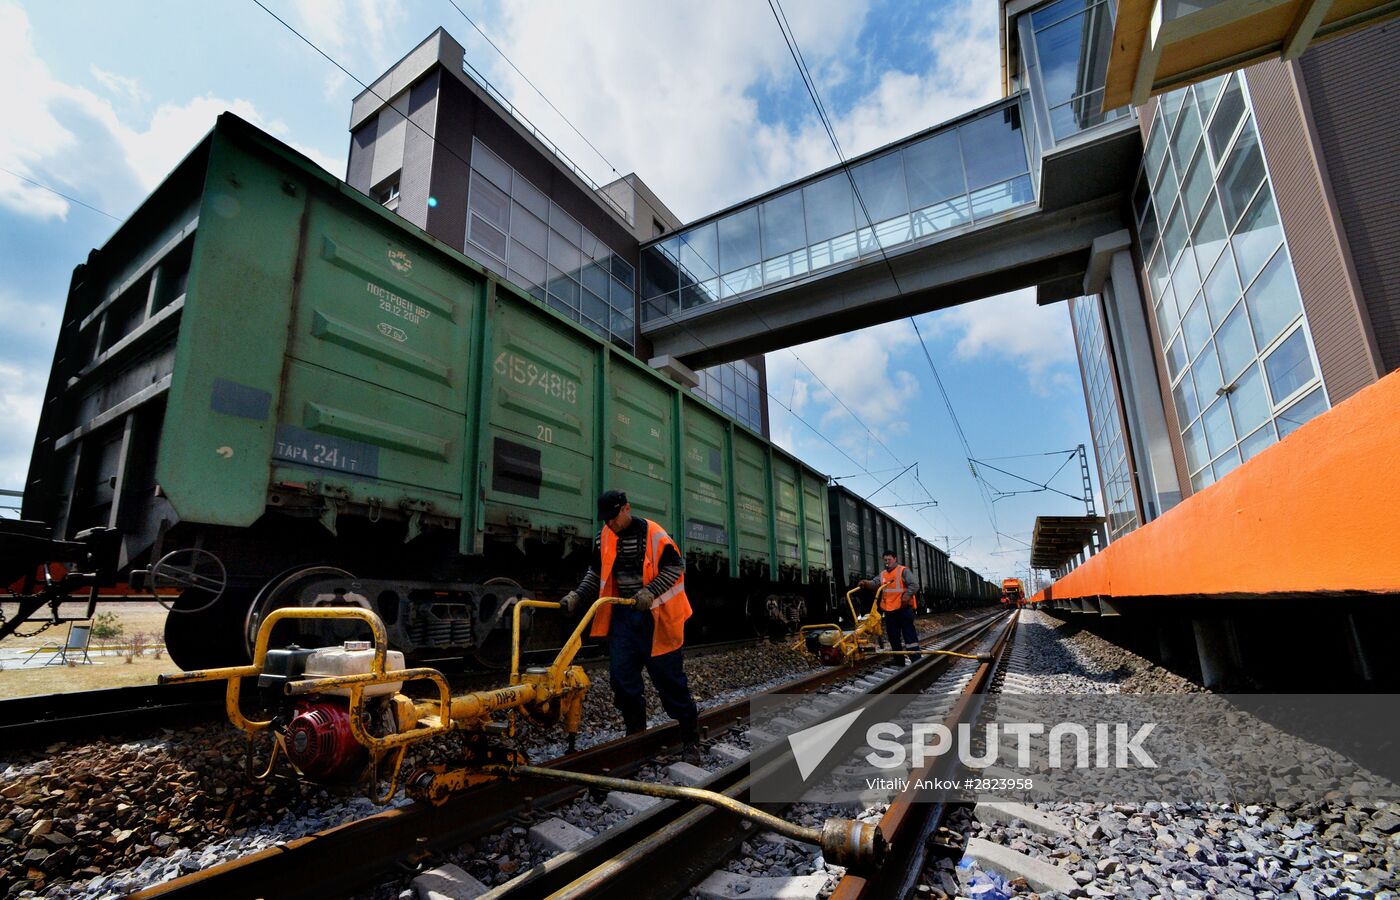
{"x": 857, "y": 389}
{"x": 672, "y": 90}
{"x": 123, "y": 87}
{"x": 1012, "y": 328}
{"x": 351, "y": 31}
{"x": 75, "y": 140}
{"x": 30, "y": 331}
{"x": 21, "y": 398}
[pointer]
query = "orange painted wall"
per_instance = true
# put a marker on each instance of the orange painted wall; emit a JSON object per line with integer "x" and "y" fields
{"x": 1319, "y": 511}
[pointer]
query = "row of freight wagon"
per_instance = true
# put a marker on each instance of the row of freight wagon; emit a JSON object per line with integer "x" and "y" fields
{"x": 861, "y": 533}
{"x": 269, "y": 391}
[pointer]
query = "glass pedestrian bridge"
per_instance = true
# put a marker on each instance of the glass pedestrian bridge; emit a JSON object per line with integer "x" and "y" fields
{"x": 951, "y": 178}
{"x": 963, "y": 210}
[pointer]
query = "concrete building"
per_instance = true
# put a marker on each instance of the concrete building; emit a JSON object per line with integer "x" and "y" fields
{"x": 435, "y": 142}
{"x": 1255, "y": 283}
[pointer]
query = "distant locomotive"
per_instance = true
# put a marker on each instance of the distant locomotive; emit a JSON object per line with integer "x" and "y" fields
{"x": 269, "y": 391}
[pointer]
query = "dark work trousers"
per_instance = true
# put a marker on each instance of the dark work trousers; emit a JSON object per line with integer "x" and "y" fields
{"x": 899, "y": 628}
{"x": 629, "y": 651}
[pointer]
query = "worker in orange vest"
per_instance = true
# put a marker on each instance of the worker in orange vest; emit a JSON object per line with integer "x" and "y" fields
{"x": 635, "y": 558}
{"x": 897, "y": 603}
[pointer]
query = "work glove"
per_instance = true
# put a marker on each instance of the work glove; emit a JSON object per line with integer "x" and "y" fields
{"x": 570, "y": 602}
{"x": 868, "y": 584}
{"x": 644, "y": 598}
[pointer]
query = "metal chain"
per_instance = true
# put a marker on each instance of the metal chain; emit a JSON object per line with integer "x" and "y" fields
{"x": 26, "y": 634}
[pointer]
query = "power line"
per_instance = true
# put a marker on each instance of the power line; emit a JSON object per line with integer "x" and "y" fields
{"x": 1032, "y": 455}
{"x": 1040, "y": 487}
{"x": 791, "y": 40}
{"x": 60, "y": 194}
{"x": 351, "y": 75}
{"x": 536, "y": 89}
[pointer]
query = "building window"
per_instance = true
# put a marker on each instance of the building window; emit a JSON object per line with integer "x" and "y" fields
{"x": 1229, "y": 317}
{"x": 1064, "y": 58}
{"x": 734, "y": 389}
{"x": 514, "y": 229}
{"x": 1105, "y": 423}
{"x": 386, "y": 193}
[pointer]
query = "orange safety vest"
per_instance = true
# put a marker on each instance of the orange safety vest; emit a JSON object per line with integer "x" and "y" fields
{"x": 894, "y": 596}
{"x": 670, "y": 610}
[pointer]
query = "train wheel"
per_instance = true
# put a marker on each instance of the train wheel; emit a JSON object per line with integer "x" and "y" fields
{"x": 493, "y": 646}
{"x": 284, "y": 590}
{"x": 200, "y": 634}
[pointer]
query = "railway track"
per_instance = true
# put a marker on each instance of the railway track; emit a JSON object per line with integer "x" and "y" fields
{"x": 351, "y": 858}
{"x": 33, "y": 722}
{"x": 27, "y": 722}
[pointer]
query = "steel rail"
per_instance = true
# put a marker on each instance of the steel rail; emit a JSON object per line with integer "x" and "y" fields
{"x": 910, "y": 821}
{"x": 27, "y": 722}
{"x": 664, "y": 851}
{"x": 347, "y": 858}
{"x": 43, "y": 719}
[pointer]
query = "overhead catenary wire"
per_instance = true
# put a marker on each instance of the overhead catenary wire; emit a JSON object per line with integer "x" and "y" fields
{"x": 550, "y": 103}
{"x": 58, "y": 193}
{"x": 387, "y": 106}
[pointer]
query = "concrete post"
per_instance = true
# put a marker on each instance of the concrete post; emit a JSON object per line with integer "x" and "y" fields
{"x": 1217, "y": 649}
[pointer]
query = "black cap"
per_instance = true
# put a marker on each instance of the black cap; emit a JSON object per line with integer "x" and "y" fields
{"x": 610, "y": 503}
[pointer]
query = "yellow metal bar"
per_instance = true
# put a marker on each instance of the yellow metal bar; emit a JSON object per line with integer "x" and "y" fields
{"x": 515, "y": 632}
{"x": 480, "y": 704}
{"x": 376, "y": 627}
{"x": 575, "y": 641}
{"x": 928, "y": 653}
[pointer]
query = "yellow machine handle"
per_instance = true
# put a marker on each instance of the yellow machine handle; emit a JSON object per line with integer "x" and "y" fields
{"x": 571, "y": 647}
{"x": 874, "y": 603}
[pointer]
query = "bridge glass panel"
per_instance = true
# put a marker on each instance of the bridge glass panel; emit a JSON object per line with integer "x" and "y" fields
{"x": 883, "y": 192}
{"x": 1064, "y": 50}
{"x": 967, "y": 170}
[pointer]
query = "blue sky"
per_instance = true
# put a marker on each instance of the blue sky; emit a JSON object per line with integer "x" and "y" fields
{"x": 701, "y": 100}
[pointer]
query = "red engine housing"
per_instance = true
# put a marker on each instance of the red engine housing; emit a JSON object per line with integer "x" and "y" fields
{"x": 830, "y": 656}
{"x": 320, "y": 742}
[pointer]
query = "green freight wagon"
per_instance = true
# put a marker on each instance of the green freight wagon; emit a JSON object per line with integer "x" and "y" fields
{"x": 270, "y": 391}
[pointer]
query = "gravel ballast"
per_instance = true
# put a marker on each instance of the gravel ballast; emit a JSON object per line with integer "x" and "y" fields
{"x": 1147, "y": 850}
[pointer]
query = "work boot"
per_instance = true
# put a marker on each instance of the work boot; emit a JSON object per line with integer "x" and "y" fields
{"x": 634, "y": 722}
{"x": 691, "y": 751}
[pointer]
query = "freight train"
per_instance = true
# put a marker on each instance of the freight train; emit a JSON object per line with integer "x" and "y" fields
{"x": 269, "y": 391}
